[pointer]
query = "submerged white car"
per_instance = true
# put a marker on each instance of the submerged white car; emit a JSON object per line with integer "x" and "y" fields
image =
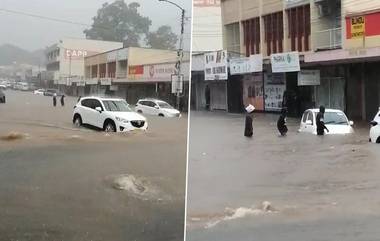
{"x": 109, "y": 114}
{"x": 335, "y": 120}
{"x": 374, "y": 132}
{"x": 39, "y": 92}
{"x": 156, "y": 107}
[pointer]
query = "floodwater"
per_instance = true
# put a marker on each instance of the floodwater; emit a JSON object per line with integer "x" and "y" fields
{"x": 58, "y": 182}
{"x": 318, "y": 188}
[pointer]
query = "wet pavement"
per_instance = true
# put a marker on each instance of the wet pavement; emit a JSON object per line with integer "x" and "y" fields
{"x": 318, "y": 188}
{"x": 58, "y": 182}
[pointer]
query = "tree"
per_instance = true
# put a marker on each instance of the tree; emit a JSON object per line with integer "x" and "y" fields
{"x": 163, "y": 38}
{"x": 119, "y": 22}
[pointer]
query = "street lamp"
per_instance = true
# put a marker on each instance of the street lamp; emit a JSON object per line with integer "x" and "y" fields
{"x": 180, "y": 49}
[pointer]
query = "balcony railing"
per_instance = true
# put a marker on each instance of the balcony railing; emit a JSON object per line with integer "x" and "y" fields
{"x": 328, "y": 39}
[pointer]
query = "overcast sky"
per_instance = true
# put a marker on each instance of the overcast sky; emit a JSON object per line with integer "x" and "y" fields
{"x": 32, "y": 33}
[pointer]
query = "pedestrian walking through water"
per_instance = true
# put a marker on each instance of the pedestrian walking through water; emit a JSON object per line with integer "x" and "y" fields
{"x": 55, "y": 99}
{"x": 248, "y": 130}
{"x": 321, "y": 122}
{"x": 63, "y": 100}
{"x": 281, "y": 123}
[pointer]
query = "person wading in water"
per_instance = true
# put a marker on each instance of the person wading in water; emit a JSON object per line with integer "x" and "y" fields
{"x": 281, "y": 123}
{"x": 321, "y": 122}
{"x": 63, "y": 100}
{"x": 248, "y": 130}
{"x": 55, "y": 100}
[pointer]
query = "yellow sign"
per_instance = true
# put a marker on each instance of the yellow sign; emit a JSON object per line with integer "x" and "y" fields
{"x": 358, "y": 27}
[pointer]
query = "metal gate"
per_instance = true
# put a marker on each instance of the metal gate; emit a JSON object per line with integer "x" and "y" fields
{"x": 331, "y": 93}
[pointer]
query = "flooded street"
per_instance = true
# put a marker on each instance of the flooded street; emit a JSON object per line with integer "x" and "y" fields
{"x": 58, "y": 182}
{"x": 298, "y": 187}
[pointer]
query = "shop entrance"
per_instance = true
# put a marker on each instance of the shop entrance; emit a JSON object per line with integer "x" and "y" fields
{"x": 297, "y": 98}
{"x": 235, "y": 94}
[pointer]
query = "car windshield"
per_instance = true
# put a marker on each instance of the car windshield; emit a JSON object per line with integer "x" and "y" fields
{"x": 335, "y": 118}
{"x": 164, "y": 105}
{"x": 116, "y": 105}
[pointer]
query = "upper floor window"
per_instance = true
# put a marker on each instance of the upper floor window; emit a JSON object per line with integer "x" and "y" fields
{"x": 274, "y": 32}
{"x": 299, "y": 28}
{"x": 232, "y": 32}
{"x": 252, "y": 39}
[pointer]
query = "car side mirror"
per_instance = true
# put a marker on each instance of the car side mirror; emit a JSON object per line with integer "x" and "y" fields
{"x": 157, "y": 107}
{"x": 309, "y": 122}
{"x": 373, "y": 123}
{"x": 351, "y": 123}
{"x": 99, "y": 109}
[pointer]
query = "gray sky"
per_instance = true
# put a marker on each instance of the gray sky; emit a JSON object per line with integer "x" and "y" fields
{"x": 32, "y": 33}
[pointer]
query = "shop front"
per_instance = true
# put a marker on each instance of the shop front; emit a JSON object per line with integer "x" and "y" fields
{"x": 245, "y": 84}
{"x": 216, "y": 75}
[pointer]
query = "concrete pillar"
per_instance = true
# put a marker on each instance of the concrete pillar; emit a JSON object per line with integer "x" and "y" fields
{"x": 362, "y": 87}
{"x": 117, "y": 68}
{"x": 106, "y": 70}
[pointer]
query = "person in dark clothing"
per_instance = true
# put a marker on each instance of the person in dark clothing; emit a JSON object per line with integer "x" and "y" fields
{"x": 63, "y": 100}
{"x": 248, "y": 130}
{"x": 207, "y": 97}
{"x": 281, "y": 123}
{"x": 320, "y": 122}
{"x": 55, "y": 100}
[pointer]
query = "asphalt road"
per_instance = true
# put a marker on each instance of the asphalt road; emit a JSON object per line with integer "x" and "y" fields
{"x": 313, "y": 188}
{"x": 61, "y": 183}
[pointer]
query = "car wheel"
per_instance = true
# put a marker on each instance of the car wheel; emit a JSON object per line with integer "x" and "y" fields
{"x": 139, "y": 111}
{"x": 161, "y": 115}
{"x": 109, "y": 126}
{"x": 378, "y": 140}
{"x": 77, "y": 121}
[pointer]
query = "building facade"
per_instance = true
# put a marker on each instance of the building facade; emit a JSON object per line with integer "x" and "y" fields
{"x": 336, "y": 43}
{"x": 65, "y": 60}
{"x": 207, "y": 26}
{"x": 135, "y": 73}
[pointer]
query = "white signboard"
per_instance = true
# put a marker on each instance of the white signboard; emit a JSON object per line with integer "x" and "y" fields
{"x": 309, "y": 77}
{"x": 68, "y": 82}
{"x": 105, "y": 81}
{"x": 285, "y": 62}
{"x": 114, "y": 87}
{"x": 216, "y": 65}
{"x": 91, "y": 81}
{"x": 177, "y": 84}
{"x": 251, "y": 64}
{"x": 156, "y": 72}
{"x": 159, "y": 71}
{"x": 81, "y": 83}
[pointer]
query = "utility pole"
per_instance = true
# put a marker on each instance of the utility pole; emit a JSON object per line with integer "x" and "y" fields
{"x": 180, "y": 49}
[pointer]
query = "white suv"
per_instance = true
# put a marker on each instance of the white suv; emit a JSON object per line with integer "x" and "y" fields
{"x": 374, "y": 133}
{"x": 156, "y": 107}
{"x": 109, "y": 114}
